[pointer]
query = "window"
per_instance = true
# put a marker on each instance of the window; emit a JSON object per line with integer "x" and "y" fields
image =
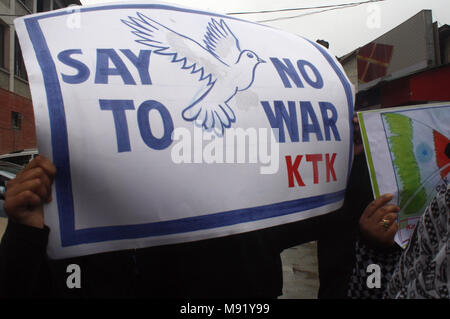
{"x": 28, "y": 4}
{"x": 16, "y": 120}
{"x": 43, "y": 5}
{"x": 56, "y": 5}
{"x": 3, "y": 46}
{"x": 19, "y": 65}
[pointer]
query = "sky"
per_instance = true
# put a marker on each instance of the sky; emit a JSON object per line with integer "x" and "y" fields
{"x": 345, "y": 29}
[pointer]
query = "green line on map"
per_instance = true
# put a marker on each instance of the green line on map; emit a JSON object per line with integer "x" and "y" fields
{"x": 405, "y": 162}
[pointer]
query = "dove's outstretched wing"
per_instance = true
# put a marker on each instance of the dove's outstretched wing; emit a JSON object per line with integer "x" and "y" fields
{"x": 165, "y": 41}
{"x": 221, "y": 42}
{"x": 210, "y": 62}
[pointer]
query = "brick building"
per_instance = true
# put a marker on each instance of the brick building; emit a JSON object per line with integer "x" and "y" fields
{"x": 17, "y": 129}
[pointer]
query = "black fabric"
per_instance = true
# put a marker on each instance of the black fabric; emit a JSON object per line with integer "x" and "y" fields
{"x": 240, "y": 266}
{"x": 366, "y": 255}
{"x": 244, "y": 265}
{"x": 22, "y": 261}
{"x": 336, "y": 255}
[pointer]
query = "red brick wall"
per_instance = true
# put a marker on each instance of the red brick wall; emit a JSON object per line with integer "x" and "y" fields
{"x": 16, "y": 139}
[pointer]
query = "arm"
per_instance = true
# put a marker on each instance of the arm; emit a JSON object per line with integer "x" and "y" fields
{"x": 23, "y": 247}
{"x": 22, "y": 260}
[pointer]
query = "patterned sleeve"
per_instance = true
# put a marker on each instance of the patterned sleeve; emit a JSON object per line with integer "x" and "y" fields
{"x": 423, "y": 268}
{"x": 359, "y": 286}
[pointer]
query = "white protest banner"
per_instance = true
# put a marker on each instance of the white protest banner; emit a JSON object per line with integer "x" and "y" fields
{"x": 169, "y": 124}
{"x": 408, "y": 155}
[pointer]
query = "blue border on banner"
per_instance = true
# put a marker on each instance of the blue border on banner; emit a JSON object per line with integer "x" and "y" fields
{"x": 63, "y": 184}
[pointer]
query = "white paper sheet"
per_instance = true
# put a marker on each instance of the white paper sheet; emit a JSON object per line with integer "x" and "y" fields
{"x": 169, "y": 124}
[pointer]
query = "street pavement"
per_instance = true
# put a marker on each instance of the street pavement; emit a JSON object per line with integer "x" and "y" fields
{"x": 300, "y": 276}
{"x": 300, "y": 272}
{"x": 3, "y": 222}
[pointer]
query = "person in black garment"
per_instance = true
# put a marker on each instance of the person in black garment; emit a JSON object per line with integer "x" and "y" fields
{"x": 246, "y": 265}
{"x": 336, "y": 246}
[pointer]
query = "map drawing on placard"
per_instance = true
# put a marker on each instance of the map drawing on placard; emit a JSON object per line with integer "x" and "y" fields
{"x": 418, "y": 142}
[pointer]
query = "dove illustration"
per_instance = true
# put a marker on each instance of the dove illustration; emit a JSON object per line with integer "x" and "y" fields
{"x": 223, "y": 67}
